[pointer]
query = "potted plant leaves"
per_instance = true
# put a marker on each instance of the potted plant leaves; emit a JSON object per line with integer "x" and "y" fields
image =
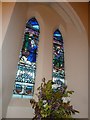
{"x": 53, "y": 102}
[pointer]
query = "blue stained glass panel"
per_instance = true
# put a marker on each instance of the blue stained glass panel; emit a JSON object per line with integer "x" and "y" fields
{"x": 58, "y": 58}
{"x": 32, "y": 23}
{"x": 26, "y": 69}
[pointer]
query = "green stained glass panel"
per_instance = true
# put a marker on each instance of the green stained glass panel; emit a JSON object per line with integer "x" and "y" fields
{"x": 58, "y": 58}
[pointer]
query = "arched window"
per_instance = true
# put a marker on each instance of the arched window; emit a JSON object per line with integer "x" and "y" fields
{"x": 58, "y": 58}
{"x": 26, "y": 73}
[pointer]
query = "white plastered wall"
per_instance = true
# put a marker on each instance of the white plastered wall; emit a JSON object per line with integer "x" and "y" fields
{"x": 76, "y": 57}
{"x": 10, "y": 48}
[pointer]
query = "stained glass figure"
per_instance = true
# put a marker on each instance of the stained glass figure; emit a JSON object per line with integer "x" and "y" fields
{"x": 58, "y": 59}
{"x": 26, "y": 73}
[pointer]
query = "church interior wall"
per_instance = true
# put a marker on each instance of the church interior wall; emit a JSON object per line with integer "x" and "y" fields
{"x": 76, "y": 56}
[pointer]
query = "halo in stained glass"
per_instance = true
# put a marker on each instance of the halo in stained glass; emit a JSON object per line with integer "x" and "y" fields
{"x": 26, "y": 73}
{"x": 58, "y": 58}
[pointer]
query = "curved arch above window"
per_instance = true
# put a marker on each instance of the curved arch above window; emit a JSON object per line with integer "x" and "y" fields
{"x": 58, "y": 58}
{"x": 26, "y": 73}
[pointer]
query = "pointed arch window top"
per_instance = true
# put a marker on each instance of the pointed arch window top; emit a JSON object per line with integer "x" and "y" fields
{"x": 33, "y": 23}
{"x": 57, "y": 35}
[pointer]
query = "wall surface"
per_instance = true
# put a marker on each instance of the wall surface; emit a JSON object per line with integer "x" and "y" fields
{"x": 76, "y": 56}
{"x": 10, "y": 49}
{"x": 81, "y": 8}
{"x": 89, "y": 58}
{"x": 6, "y": 15}
{"x": 0, "y": 60}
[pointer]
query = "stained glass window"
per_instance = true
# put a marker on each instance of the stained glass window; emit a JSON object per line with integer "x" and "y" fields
{"x": 26, "y": 70}
{"x": 58, "y": 58}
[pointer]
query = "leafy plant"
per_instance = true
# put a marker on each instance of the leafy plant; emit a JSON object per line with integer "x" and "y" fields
{"x": 53, "y": 101}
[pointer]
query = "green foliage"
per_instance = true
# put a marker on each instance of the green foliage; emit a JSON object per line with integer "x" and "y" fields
{"x": 52, "y": 103}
